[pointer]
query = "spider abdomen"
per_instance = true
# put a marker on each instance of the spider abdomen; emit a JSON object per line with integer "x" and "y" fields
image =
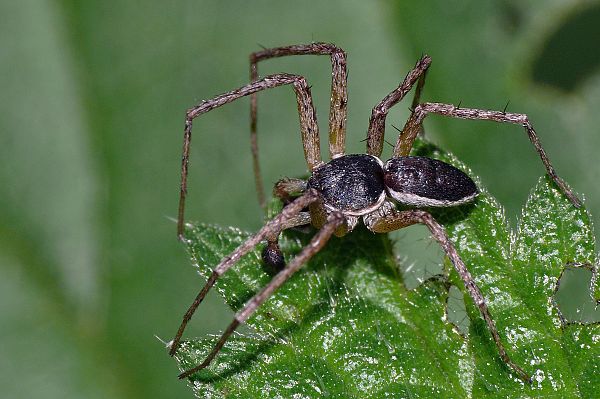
{"x": 422, "y": 181}
{"x": 352, "y": 184}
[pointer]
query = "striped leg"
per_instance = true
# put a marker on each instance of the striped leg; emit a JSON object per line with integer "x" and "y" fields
{"x": 318, "y": 242}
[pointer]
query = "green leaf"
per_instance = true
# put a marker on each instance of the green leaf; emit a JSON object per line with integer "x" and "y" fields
{"x": 346, "y": 327}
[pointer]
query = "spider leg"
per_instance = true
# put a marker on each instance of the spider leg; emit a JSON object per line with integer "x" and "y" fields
{"x": 413, "y": 126}
{"x": 308, "y": 124}
{"x": 272, "y": 228}
{"x": 318, "y": 241}
{"x": 338, "y": 102}
{"x": 375, "y": 134}
{"x": 389, "y": 219}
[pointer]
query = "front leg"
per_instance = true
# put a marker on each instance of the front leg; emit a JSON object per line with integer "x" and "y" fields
{"x": 376, "y": 131}
{"x": 387, "y": 219}
{"x": 309, "y": 129}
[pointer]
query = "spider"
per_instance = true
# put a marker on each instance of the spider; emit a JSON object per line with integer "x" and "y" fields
{"x": 349, "y": 189}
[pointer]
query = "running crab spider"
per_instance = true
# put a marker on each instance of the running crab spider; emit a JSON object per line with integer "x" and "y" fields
{"x": 351, "y": 188}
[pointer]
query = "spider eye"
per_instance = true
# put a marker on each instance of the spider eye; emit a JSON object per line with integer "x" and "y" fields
{"x": 422, "y": 181}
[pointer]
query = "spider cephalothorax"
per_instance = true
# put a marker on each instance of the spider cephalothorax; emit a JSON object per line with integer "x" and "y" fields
{"x": 351, "y": 184}
{"x": 350, "y": 188}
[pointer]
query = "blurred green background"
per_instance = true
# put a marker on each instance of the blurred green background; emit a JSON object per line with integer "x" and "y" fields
{"x": 93, "y": 100}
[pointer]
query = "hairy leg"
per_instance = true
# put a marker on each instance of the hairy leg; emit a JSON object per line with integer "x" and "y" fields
{"x": 337, "y": 110}
{"x": 376, "y": 132}
{"x": 308, "y": 124}
{"x": 318, "y": 242}
{"x": 271, "y": 229}
{"x": 389, "y": 219}
{"x": 413, "y": 126}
